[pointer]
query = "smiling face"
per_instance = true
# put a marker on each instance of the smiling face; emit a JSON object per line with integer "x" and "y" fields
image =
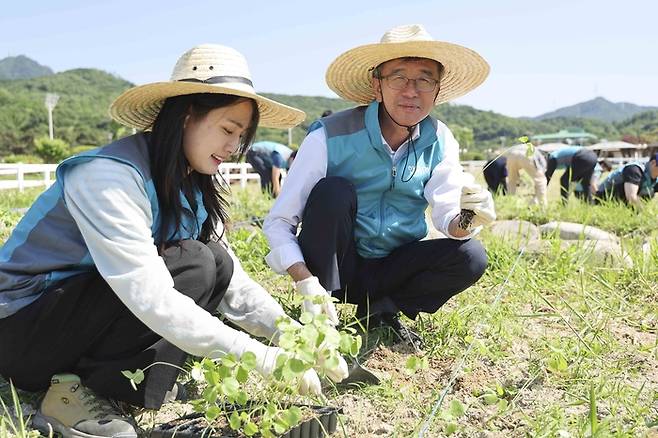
{"x": 211, "y": 139}
{"x": 407, "y": 106}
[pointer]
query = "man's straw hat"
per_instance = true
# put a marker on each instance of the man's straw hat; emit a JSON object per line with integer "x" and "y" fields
{"x": 350, "y": 74}
{"x": 208, "y": 68}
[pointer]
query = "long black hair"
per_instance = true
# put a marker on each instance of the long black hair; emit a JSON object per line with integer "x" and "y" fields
{"x": 170, "y": 167}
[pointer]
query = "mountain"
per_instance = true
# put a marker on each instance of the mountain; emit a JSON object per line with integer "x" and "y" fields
{"x": 81, "y": 116}
{"x": 22, "y": 67}
{"x": 598, "y": 109}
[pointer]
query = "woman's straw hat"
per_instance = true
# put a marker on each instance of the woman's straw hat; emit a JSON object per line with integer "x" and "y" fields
{"x": 208, "y": 68}
{"x": 350, "y": 75}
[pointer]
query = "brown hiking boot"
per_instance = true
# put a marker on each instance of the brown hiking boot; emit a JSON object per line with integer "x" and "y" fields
{"x": 72, "y": 410}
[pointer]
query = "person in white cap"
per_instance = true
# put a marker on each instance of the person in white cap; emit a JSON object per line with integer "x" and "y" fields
{"x": 365, "y": 176}
{"x": 123, "y": 261}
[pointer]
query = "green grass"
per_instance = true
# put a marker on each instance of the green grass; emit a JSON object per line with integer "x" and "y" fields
{"x": 570, "y": 349}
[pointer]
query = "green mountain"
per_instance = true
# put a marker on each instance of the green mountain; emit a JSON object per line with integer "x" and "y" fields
{"x": 81, "y": 116}
{"x": 598, "y": 109}
{"x": 22, "y": 67}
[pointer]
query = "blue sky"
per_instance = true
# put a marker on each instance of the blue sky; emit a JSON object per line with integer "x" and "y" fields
{"x": 543, "y": 55}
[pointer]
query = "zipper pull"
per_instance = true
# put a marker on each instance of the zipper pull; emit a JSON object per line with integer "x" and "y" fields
{"x": 393, "y": 174}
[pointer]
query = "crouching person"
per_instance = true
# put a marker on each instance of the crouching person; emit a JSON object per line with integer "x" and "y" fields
{"x": 120, "y": 264}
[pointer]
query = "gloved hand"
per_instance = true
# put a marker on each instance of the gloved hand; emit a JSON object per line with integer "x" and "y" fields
{"x": 311, "y": 287}
{"x": 478, "y": 199}
{"x": 336, "y": 373}
{"x": 266, "y": 362}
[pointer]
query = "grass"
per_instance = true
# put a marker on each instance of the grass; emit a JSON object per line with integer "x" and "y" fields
{"x": 553, "y": 345}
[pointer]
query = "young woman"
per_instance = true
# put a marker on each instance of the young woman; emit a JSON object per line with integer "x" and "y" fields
{"x": 121, "y": 262}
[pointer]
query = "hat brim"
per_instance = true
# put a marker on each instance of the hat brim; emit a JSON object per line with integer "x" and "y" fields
{"x": 138, "y": 107}
{"x": 350, "y": 75}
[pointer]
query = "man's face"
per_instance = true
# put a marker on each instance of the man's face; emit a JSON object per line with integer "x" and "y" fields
{"x": 408, "y": 105}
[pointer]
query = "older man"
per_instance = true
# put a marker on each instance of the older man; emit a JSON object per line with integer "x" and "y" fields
{"x": 365, "y": 177}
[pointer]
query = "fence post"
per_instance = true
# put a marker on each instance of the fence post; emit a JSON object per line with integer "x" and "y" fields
{"x": 243, "y": 176}
{"x": 46, "y": 177}
{"x": 20, "y": 176}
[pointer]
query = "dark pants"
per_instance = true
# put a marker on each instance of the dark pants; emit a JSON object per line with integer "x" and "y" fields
{"x": 581, "y": 170}
{"x": 80, "y": 326}
{"x": 262, "y": 163}
{"x": 418, "y": 277}
{"x": 495, "y": 174}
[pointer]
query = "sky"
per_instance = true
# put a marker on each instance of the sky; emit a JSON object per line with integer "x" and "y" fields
{"x": 543, "y": 55}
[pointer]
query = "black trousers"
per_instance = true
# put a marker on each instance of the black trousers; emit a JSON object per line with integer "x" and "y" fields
{"x": 495, "y": 174}
{"x": 581, "y": 170}
{"x": 262, "y": 164}
{"x": 418, "y": 277}
{"x": 80, "y": 326}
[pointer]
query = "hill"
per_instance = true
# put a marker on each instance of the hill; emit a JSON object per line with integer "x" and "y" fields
{"x": 22, "y": 67}
{"x": 81, "y": 116}
{"x": 598, "y": 109}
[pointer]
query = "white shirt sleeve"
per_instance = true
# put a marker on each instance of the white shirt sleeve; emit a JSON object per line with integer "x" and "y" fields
{"x": 248, "y": 305}
{"x": 280, "y": 226}
{"x": 443, "y": 190}
{"x": 107, "y": 200}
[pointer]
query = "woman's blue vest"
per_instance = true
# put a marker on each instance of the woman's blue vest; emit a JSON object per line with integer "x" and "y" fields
{"x": 390, "y": 201}
{"x": 46, "y": 246}
{"x": 564, "y": 155}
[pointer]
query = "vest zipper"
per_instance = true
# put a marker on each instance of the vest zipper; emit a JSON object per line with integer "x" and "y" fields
{"x": 393, "y": 174}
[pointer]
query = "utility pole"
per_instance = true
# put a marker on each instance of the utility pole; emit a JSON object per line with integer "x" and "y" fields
{"x": 289, "y": 137}
{"x": 51, "y": 101}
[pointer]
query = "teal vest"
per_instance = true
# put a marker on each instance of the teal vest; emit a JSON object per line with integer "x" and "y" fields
{"x": 616, "y": 177}
{"x": 390, "y": 209}
{"x": 564, "y": 155}
{"x": 46, "y": 246}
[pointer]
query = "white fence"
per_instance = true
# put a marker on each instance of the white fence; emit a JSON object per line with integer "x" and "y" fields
{"x": 239, "y": 173}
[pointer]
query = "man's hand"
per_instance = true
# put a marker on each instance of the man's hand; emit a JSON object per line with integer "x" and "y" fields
{"x": 311, "y": 288}
{"x": 478, "y": 200}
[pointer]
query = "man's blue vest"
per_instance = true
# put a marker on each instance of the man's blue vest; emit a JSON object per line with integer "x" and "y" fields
{"x": 390, "y": 200}
{"x": 46, "y": 246}
{"x": 564, "y": 155}
{"x": 616, "y": 177}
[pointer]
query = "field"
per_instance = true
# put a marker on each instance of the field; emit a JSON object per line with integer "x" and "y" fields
{"x": 556, "y": 344}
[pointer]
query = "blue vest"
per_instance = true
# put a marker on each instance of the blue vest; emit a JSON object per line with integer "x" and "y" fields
{"x": 46, "y": 246}
{"x": 616, "y": 177}
{"x": 564, "y": 155}
{"x": 390, "y": 210}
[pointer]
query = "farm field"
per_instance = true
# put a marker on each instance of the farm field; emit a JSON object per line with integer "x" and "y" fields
{"x": 550, "y": 343}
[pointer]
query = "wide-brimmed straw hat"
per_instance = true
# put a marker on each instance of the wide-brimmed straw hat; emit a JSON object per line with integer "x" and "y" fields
{"x": 208, "y": 68}
{"x": 350, "y": 75}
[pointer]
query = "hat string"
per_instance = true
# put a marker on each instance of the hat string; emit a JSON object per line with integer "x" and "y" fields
{"x": 410, "y": 140}
{"x": 220, "y": 80}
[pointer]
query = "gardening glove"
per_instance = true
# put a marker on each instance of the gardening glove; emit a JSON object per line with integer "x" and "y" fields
{"x": 311, "y": 287}
{"x": 266, "y": 362}
{"x": 337, "y": 373}
{"x": 478, "y": 200}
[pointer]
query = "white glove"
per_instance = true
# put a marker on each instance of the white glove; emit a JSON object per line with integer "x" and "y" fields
{"x": 266, "y": 362}
{"x": 311, "y": 287}
{"x": 479, "y": 200}
{"x": 336, "y": 374}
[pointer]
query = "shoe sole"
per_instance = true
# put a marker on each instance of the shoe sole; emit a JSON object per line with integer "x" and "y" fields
{"x": 48, "y": 426}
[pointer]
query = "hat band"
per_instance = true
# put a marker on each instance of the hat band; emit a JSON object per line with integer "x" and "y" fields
{"x": 220, "y": 80}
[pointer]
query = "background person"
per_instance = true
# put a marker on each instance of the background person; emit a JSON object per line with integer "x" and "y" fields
{"x": 534, "y": 165}
{"x": 268, "y": 159}
{"x": 631, "y": 182}
{"x": 578, "y": 164}
{"x": 495, "y": 174}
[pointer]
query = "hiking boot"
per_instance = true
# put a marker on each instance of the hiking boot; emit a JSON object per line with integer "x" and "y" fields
{"x": 73, "y": 410}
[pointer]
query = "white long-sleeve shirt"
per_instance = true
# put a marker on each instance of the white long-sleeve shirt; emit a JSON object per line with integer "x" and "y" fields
{"x": 108, "y": 201}
{"x": 442, "y": 192}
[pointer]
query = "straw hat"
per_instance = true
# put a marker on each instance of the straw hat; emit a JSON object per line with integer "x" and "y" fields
{"x": 350, "y": 74}
{"x": 208, "y": 68}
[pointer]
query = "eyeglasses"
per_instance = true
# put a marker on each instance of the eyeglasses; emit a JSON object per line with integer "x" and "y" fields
{"x": 399, "y": 82}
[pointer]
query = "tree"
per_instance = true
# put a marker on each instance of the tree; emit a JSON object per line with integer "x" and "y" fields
{"x": 52, "y": 151}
